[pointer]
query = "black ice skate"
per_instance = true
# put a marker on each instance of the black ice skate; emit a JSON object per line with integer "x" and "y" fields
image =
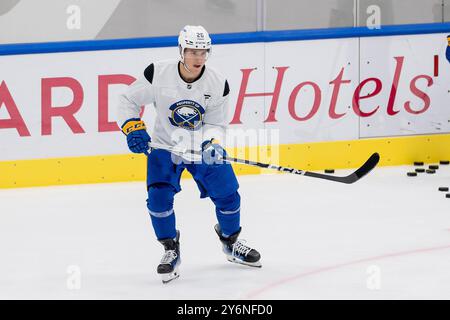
{"x": 236, "y": 250}
{"x": 168, "y": 268}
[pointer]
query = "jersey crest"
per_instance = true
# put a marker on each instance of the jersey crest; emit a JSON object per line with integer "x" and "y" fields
{"x": 187, "y": 114}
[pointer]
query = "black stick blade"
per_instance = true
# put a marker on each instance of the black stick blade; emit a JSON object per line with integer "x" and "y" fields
{"x": 364, "y": 169}
{"x": 368, "y": 166}
{"x": 355, "y": 176}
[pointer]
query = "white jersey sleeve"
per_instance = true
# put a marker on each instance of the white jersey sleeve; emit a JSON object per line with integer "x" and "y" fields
{"x": 215, "y": 122}
{"x": 138, "y": 94}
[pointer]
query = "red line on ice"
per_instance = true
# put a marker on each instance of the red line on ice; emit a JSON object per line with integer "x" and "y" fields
{"x": 280, "y": 282}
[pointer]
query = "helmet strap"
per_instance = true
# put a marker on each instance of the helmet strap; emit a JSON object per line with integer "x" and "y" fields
{"x": 185, "y": 67}
{"x": 182, "y": 59}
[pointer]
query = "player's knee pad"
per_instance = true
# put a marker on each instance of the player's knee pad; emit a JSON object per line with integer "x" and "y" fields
{"x": 160, "y": 199}
{"x": 229, "y": 204}
{"x": 220, "y": 181}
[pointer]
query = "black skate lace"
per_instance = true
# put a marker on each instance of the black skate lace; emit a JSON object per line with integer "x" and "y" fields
{"x": 168, "y": 257}
{"x": 240, "y": 248}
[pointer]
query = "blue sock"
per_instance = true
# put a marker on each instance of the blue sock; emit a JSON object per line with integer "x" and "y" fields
{"x": 160, "y": 207}
{"x": 164, "y": 226}
{"x": 228, "y": 213}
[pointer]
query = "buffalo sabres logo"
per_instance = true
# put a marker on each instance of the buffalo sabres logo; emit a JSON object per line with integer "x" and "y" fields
{"x": 187, "y": 114}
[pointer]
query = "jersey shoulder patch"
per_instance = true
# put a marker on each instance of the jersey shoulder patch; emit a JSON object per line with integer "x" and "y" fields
{"x": 226, "y": 90}
{"x": 148, "y": 72}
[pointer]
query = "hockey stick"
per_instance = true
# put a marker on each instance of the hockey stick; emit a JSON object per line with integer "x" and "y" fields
{"x": 351, "y": 178}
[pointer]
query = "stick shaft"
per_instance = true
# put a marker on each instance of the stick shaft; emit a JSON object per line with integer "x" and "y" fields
{"x": 353, "y": 177}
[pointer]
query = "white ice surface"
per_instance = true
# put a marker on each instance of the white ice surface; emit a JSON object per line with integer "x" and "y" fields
{"x": 384, "y": 237}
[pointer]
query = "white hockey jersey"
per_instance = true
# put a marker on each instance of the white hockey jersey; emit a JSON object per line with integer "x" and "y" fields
{"x": 186, "y": 113}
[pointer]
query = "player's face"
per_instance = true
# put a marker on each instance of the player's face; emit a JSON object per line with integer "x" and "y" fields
{"x": 195, "y": 58}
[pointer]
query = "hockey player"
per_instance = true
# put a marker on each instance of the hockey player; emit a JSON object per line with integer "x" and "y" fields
{"x": 192, "y": 98}
{"x": 447, "y": 53}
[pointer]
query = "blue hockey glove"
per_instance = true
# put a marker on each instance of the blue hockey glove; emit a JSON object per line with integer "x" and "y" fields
{"x": 212, "y": 152}
{"x": 447, "y": 53}
{"x": 137, "y": 136}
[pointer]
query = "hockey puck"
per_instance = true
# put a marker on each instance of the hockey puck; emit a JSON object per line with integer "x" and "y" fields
{"x": 420, "y": 170}
{"x": 443, "y": 189}
{"x": 329, "y": 170}
{"x": 444, "y": 162}
{"x": 447, "y": 195}
{"x": 433, "y": 167}
{"x": 418, "y": 163}
{"x": 411, "y": 174}
{"x": 430, "y": 171}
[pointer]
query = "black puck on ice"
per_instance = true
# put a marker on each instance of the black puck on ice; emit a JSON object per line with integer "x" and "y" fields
{"x": 412, "y": 174}
{"x": 433, "y": 167}
{"x": 420, "y": 170}
{"x": 443, "y": 189}
{"x": 418, "y": 163}
{"x": 430, "y": 171}
{"x": 444, "y": 162}
{"x": 447, "y": 195}
{"x": 329, "y": 170}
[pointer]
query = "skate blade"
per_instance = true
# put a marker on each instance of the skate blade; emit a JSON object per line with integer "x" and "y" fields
{"x": 167, "y": 277}
{"x": 256, "y": 264}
